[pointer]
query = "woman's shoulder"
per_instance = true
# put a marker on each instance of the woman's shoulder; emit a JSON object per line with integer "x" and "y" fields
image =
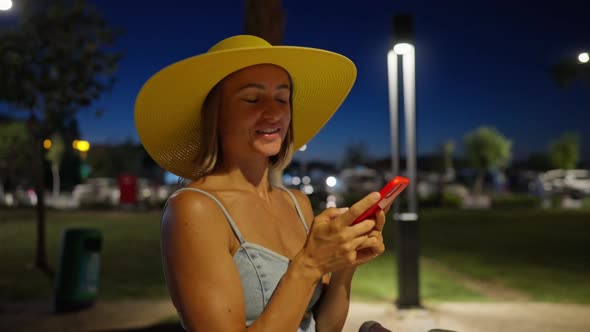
{"x": 192, "y": 204}
{"x": 192, "y": 197}
{"x": 299, "y": 195}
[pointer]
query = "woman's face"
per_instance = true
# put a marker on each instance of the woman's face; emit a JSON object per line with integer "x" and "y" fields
{"x": 255, "y": 111}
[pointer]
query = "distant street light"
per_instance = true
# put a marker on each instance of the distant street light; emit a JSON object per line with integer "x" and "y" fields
{"x": 331, "y": 181}
{"x": 82, "y": 146}
{"x": 47, "y": 144}
{"x": 79, "y": 145}
{"x": 5, "y": 4}
{"x": 303, "y": 163}
{"x": 583, "y": 57}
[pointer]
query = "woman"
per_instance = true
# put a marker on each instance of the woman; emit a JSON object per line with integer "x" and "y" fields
{"x": 239, "y": 253}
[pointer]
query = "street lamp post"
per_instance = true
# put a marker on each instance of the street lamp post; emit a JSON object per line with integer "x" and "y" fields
{"x": 406, "y": 223}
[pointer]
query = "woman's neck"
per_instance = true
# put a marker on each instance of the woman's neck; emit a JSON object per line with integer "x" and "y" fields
{"x": 248, "y": 175}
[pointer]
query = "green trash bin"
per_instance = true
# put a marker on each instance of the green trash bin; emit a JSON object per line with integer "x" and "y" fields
{"x": 76, "y": 282}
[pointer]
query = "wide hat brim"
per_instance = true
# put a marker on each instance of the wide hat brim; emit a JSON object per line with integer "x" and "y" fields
{"x": 167, "y": 109}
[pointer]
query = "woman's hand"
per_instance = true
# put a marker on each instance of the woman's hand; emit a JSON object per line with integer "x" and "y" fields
{"x": 374, "y": 245}
{"x": 334, "y": 244}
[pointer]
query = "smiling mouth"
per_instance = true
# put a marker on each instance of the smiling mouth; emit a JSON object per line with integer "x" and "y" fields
{"x": 268, "y": 131}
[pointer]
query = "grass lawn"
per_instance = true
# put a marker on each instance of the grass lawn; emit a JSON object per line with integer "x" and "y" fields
{"x": 130, "y": 256}
{"x": 537, "y": 252}
{"x": 544, "y": 253}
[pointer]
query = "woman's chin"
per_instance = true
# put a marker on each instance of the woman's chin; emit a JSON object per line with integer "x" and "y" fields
{"x": 273, "y": 153}
{"x": 268, "y": 151}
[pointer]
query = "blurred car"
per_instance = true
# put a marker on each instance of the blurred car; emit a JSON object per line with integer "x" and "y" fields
{"x": 360, "y": 180}
{"x": 574, "y": 182}
{"x": 21, "y": 196}
{"x": 97, "y": 191}
{"x": 106, "y": 192}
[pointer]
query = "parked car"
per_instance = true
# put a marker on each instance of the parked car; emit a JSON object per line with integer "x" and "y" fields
{"x": 360, "y": 180}
{"x": 97, "y": 191}
{"x": 574, "y": 182}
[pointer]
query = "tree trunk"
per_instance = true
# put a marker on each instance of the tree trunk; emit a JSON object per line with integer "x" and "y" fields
{"x": 56, "y": 179}
{"x": 41, "y": 261}
{"x": 265, "y": 19}
{"x": 478, "y": 186}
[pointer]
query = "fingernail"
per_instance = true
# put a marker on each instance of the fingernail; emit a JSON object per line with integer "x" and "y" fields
{"x": 344, "y": 209}
{"x": 375, "y": 196}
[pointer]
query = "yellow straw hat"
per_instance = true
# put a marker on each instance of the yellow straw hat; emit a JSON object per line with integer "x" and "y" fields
{"x": 168, "y": 106}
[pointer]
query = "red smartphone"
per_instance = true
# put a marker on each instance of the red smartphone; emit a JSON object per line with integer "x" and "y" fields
{"x": 388, "y": 195}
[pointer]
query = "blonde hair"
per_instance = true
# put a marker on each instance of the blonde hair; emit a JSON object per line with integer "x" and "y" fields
{"x": 211, "y": 154}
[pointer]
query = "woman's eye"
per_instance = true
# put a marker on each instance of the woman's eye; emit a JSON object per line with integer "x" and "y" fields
{"x": 251, "y": 100}
{"x": 282, "y": 101}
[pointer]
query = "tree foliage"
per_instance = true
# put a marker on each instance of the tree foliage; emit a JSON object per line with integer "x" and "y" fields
{"x": 56, "y": 61}
{"x": 114, "y": 160}
{"x": 486, "y": 149}
{"x": 15, "y": 155}
{"x": 564, "y": 152}
{"x": 448, "y": 149}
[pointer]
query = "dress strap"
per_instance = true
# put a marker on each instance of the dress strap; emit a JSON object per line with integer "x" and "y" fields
{"x": 225, "y": 212}
{"x": 297, "y": 207}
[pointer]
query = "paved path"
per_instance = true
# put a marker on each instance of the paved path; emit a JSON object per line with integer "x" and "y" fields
{"x": 476, "y": 317}
{"x": 158, "y": 316}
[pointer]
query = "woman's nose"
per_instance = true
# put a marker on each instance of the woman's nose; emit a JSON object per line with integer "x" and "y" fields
{"x": 272, "y": 110}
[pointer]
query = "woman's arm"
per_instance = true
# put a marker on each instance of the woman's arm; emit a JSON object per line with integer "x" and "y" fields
{"x": 332, "y": 309}
{"x": 203, "y": 281}
{"x": 333, "y": 306}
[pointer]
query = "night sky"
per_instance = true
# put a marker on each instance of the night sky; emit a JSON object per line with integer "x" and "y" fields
{"x": 478, "y": 63}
